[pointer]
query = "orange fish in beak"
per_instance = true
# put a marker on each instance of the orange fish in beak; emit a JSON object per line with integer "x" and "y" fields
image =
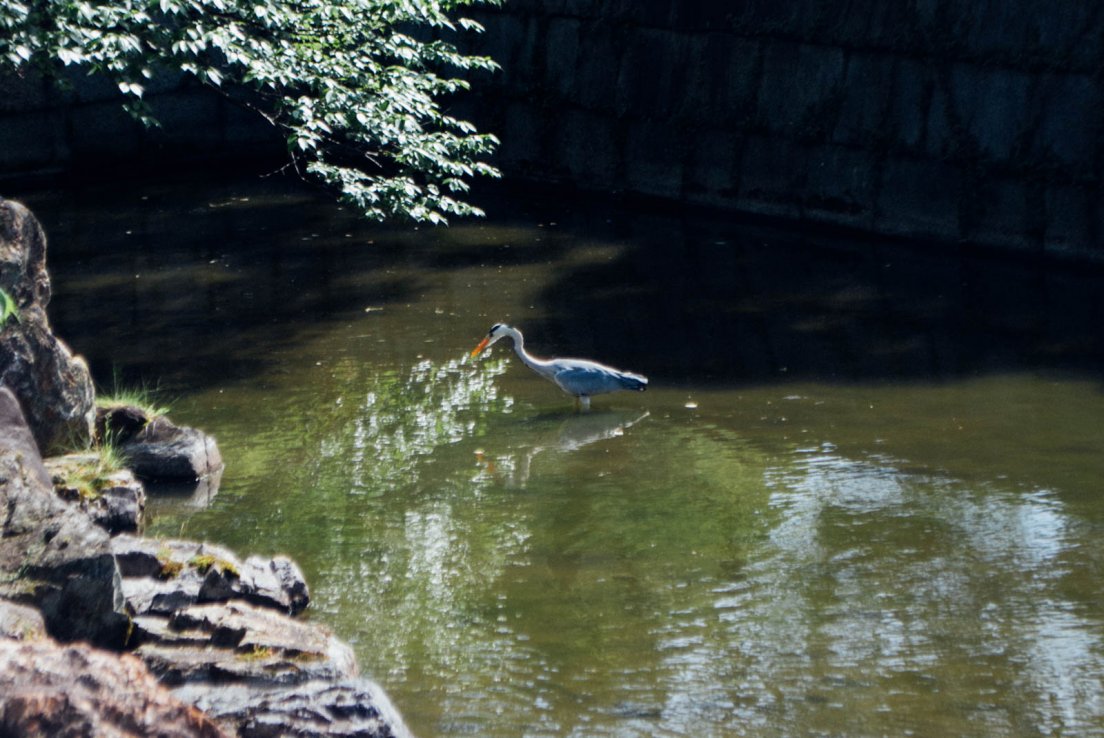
{"x": 482, "y": 345}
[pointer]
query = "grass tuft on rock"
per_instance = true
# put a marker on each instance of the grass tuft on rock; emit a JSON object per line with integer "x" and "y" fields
{"x": 170, "y": 569}
{"x": 203, "y": 562}
{"x": 86, "y": 475}
{"x": 142, "y": 398}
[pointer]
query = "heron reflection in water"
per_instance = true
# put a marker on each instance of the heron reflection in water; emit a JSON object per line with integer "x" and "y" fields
{"x": 580, "y": 378}
{"x": 571, "y": 434}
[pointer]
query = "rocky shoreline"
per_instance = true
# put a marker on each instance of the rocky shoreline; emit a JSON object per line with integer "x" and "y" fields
{"x": 104, "y": 632}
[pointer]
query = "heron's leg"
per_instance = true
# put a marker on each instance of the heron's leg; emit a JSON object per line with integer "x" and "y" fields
{"x": 584, "y": 402}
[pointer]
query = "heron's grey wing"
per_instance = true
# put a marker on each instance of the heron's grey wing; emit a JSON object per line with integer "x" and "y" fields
{"x": 587, "y": 379}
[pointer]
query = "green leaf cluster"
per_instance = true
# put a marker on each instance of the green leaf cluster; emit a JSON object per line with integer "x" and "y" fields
{"x": 357, "y": 86}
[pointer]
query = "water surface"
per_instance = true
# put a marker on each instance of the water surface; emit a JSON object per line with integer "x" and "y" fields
{"x": 861, "y": 496}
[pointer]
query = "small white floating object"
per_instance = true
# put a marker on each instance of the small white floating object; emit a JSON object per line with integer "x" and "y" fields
{"x": 691, "y": 405}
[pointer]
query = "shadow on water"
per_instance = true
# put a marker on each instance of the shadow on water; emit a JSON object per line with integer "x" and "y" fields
{"x": 204, "y": 273}
{"x": 708, "y": 302}
{"x": 227, "y": 274}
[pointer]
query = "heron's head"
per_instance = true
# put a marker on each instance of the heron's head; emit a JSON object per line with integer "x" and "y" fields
{"x": 497, "y": 331}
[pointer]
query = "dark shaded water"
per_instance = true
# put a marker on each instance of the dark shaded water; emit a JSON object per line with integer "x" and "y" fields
{"x": 861, "y": 497}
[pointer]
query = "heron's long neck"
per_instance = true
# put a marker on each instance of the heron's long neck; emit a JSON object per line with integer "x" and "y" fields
{"x": 538, "y": 365}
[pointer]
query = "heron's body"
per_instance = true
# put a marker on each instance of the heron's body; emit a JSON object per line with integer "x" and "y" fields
{"x": 580, "y": 378}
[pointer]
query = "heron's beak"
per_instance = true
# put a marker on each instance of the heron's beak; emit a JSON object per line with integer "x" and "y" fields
{"x": 482, "y": 345}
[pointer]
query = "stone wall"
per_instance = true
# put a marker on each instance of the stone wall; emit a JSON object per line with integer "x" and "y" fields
{"x": 932, "y": 119}
{"x": 45, "y": 126}
{"x": 974, "y": 121}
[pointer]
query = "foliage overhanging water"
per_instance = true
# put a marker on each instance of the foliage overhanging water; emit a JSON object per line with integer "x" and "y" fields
{"x": 861, "y": 497}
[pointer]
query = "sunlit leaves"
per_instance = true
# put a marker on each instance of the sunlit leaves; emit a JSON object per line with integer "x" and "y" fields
{"x": 356, "y": 85}
{"x": 130, "y": 88}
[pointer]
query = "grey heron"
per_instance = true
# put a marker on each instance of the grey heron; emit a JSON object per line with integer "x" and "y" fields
{"x": 578, "y": 377}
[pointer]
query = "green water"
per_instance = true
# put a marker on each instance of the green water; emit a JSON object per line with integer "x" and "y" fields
{"x": 861, "y": 497}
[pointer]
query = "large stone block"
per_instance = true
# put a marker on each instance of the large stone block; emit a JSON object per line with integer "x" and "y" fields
{"x": 796, "y": 19}
{"x": 907, "y": 109}
{"x": 1095, "y": 247}
{"x": 508, "y": 40}
{"x": 943, "y": 137}
{"x": 648, "y": 13}
{"x": 22, "y": 91}
{"x": 97, "y": 130}
{"x": 711, "y": 176}
{"x": 995, "y": 105}
{"x": 652, "y": 71}
{"x": 1069, "y": 132}
{"x": 78, "y": 86}
{"x": 1061, "y": 31}
{"x": 1026, "y": 33}
{"x": 82, "y": 87}
{"x": 32, "y": 140}
{"x": 897, "y": 27}
{"x": 801, "y": 89}
{"x": 599, "y": 62}
{"x": 989, "y": 28}
{"x": 586, "y": 145}
{"x": 654, "y": 159}
{"x": 772, "y": 176}
{"x": 1072, "y": 221}
{"x": 919, "y": 198}
{"x": 703, "y": 16}
{"x": 720, "y": 81}
{"x": 979, "y": 111}
{"x": 167, "y": 80}
{"x": 840, "y": 185}
{"x": 244, "y": 127}
{"x": 522, "y": 139}
{"x": 189, "y": 118}
{"x": 1004, "y": 212}
{"x": 561, "y": 50}
{"x": 578, "y": 8}
{"x": 866, "y": 92}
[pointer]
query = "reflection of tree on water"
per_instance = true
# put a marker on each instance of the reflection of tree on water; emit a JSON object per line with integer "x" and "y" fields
{"x": 441, "y": 580}
{"x": 403, "y": 418}
{"x": 435, "y": 405}
{"x": 567, "y": 435}
{"x": 872, "y": 572}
